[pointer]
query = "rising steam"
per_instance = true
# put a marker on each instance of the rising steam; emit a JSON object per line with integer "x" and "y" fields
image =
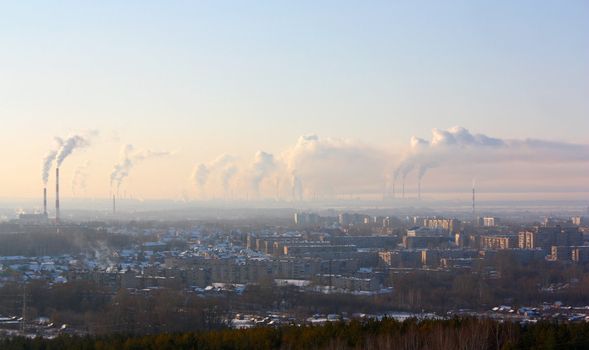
{"x": 129, "y": 157}
{"x": 79, "y": 178}
{"x": 457, "y": 146}
{"x": 68, "y": 146}
{"x": 262, "y": 166}
{"x": 200, "y": 176}
{"x": 329, "y": 168}
{"x": 224, "y": 167}
{"x": 48, "y": 161}
{"x": 63, "y": 149}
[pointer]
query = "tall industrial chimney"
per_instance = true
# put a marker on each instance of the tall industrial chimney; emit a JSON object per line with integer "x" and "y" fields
{"x": 45, "y": 201}
{"x": 403, "y": 193}
{"x": 419, "y": 189}
{"x": 57, "y": 194}
{"x": 474, "y": 217}
{"x": 114, "y": 205}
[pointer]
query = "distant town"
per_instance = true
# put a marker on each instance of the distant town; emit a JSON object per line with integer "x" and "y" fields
{"x": 147, "y": 276}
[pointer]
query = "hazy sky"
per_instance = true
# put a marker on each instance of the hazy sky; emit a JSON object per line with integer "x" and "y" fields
{"x": 201, "y": 79}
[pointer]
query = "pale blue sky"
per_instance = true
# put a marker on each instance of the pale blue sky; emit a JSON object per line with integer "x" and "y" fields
{"x": 214, "y": 77}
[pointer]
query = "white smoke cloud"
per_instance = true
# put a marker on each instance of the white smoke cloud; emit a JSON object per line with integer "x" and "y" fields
{"x": 296, "y": 187}
{"x": 128, "y": 158}
{"x": 79, "y": 178}
{"x": 227, "y": 175}
{"x": 72, "y": 143}
{"x": 333, "y": 166}
{"x": 200, "y": 175}
{"x": 48, "y": 161}
{"x": 328, "y": 168}
{"x": 224, "y": 167}
{"x": 458, "y": 147}
{"x": 262, "y": 166}
{"x": 313, "y": 167}
{"x": 461, "y": 137}
{"x": 62, "y": 150}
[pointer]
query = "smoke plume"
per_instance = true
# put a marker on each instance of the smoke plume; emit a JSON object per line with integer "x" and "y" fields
{"x": 334, "y": 166}
{"x": 225, "y": 164}
{"x": 457, "y": 146}
{"x": 226, "y": 175}
{"x": 72, "y": 143}
{"x": 296, "y": 187}
{"x": 79, "y": 178}
{"x": 128, "y": 158}
{"x": 224, "y": 167}
{"x": 262, "y": 166}
{"x": 200, "y": 176}
{"x": 329, "y": 168}
{"x": 48, "y": 161}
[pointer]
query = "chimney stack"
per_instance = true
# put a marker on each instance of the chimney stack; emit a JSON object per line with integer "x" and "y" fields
{"x": 45, "y": 201}
{"x": 419, "y": 189}
{"x": 114, "y": 206}
{"x": 474, "y": 216}
{"x": 57, "y": 194}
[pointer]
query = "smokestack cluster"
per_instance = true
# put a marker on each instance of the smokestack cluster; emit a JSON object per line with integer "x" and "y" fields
{"x": 57, "y": 194}
{"x": 57, "y": 156}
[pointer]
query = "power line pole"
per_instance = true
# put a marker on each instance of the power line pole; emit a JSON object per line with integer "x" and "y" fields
{"x": 24, "y": 308}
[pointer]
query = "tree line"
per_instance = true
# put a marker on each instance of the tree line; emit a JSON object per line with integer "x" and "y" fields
{"x": 456, "y": 333}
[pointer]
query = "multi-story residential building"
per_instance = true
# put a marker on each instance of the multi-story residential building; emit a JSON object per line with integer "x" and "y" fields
{"x": 499, "y": 241}
{"x": 490, "y": 221}
{"x": 546, "y": 237}
{"x": 448, "y": 225}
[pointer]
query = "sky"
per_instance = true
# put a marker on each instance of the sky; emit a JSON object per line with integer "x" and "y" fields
{"x": 305, "y": 99}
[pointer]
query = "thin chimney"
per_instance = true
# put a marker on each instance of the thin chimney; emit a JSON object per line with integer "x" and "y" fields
{"x": 45, "y": 201}
{"x": 57, "y": 194}
{"x": 114, "y": 205}
{"x": 474, "y": 217}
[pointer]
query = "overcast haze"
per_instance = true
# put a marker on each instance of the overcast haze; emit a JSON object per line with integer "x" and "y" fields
{"x": 299, "y": 100}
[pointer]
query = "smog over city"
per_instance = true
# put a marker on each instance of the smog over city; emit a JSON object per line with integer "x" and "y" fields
{"x": 305, "y": 175}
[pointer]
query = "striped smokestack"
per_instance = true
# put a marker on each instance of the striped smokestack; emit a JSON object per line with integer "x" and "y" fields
{"x": 57, "y": 194}
{"x": 45, "y": 201}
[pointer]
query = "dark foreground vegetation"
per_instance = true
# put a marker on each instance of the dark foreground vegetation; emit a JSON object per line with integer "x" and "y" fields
{"x": 90, "y": 306}
{"x": 385, "y": 334}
